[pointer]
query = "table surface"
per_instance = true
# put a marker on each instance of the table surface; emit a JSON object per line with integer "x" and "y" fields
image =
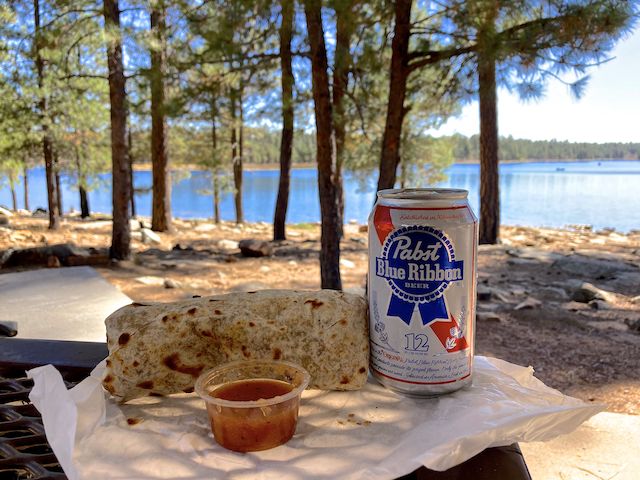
{"x": 24, "y": 452}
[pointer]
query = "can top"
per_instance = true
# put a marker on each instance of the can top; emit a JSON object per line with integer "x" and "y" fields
{"x": 423, "y": 194}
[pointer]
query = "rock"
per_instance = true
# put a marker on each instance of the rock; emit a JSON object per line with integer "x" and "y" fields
{"x": 488, "y": 307}
{"x": 53, "y": 262}
{"x": 178, "y": 247}
{"x": 205, "y": 227}
{"x": 588, "y": 292}
{"x": 6, "y": 212}
{"x": 582, "y": 266}
{"x": 228, "y": 244}
{"x": 634, "y": 325}
{"x": 347, "y": 263}
{"x": 356, "y": 291}
{"x": 536, "y": 254}
{"x": 40, "y": 212}
{"x": 264, "y": 269}
{"x": 635, "y": 300}
{"x": 553, "y": 293}
{"x": 489, "y": 317}
{"x": 500, "y": 294}
{"x": 134, "y": 225}
{"x": 359, "y": 240}
{"x": 255, "y": 248}
{"x": 4, "y": 220}
{"x": 484, "y": 294}
{"x": 528, "y": 304}
{"x": 575, "y": 306}
{"x": 249, "y": 287}
{"x": 149, "y": 236}
{"x": 151, "y": 281}
{"x": 293, "y": 263}
{"x": 363, "y": 228}
{"x": 599, "y": 305}
{"x": 171, "y": 283}
{"x": 518, "y": 290}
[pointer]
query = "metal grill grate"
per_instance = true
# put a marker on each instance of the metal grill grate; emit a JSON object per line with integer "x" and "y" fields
{"x": 24, "y": 451}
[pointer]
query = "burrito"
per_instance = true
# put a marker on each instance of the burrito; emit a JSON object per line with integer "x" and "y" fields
{"x": 159, "y": 349}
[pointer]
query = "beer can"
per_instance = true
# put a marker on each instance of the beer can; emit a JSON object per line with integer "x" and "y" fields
{"x": 422, "y": 290}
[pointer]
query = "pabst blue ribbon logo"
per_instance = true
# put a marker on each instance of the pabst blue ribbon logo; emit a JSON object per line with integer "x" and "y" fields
{"x": 419, "y": 264}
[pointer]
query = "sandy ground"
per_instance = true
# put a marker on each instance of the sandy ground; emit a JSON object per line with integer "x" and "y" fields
{"x": 526, "y": 314}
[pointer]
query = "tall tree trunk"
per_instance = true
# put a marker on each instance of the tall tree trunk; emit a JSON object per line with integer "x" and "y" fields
{"x": 489, "y": 227}
{"x": 161, "y": 209}
{"x": 25, "y": 182}
{"x": 14, "y": 195}
{"x": 130, "y": 157}
{"x": 398, "y": 74}
{"x": 237, "y": 159}
{"x": 325, "y": 149}
{"x": 47, "y": 147}
{"x": 286, "y": 140}
{"x": 56, "y": 168}
{"x": 214, "y": 164}
{"x": 82, "y": 181}
{"x": 121, "y": 232}
{"x": 341, "y": 66}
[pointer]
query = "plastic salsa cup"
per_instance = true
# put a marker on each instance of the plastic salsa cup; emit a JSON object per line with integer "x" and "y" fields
{"x": 253, "y": 405}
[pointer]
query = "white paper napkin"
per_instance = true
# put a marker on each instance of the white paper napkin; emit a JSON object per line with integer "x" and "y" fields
{"x": 370, "y": 433}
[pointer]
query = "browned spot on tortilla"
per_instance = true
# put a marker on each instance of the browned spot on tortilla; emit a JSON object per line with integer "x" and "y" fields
{"x": 343, "y": 322}
{"x": 362, "y": 370}
{"x": 314, "y": 303}
{"x": 107, "y": 379}
{"x": 334, "y": 335}
{"x": 217, "y": 312}
{"x": 147, "y": 385}
{"x": 109, "y": 388}
{"x": 173, "y": 362}
{"x": 196, "y": 296}
{"x": 245, "y": 351}
{"x": 135, "y": 363}
{"x": 214, "y": 300}
{"x": 251, "y": 292}
{"x": 173, "y": 317}
{"x": 206, "y": 333}
{"x": 251, "y": 324}
{"x": 165, "y": 318}
{"x": 124, "y": 338}
{"x": 155, "y": 394}
{"x": 192, "y": 311}
{"x": 108, "y": 363}
{"x": 188, "y": 390}
{"x": 277, "y": 354}
{"x": 133, "y": 421}
{"x": 345, "y": 380}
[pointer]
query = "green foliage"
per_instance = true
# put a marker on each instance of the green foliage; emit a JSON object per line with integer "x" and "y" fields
{"x": 467, "y": 149}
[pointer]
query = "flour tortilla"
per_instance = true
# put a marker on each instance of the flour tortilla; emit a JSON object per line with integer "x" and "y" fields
{"x": 162, "y": 348}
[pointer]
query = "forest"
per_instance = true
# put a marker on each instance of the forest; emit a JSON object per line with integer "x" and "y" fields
{"x": 88, "y": 86}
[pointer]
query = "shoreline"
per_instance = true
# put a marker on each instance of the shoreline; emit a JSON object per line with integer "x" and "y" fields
{"x": 252, "y": 167}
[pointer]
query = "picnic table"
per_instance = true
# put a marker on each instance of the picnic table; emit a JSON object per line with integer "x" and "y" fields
{"x": 24, "y": 452}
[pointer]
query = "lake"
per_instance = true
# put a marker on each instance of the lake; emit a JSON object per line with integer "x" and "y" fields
{"x": 555, "y": 194}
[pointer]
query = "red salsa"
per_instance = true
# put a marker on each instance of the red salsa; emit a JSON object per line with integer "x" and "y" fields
{"x": 254, "y": 428}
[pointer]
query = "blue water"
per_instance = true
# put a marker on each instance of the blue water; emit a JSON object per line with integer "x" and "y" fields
{"x": 602, "y": 194}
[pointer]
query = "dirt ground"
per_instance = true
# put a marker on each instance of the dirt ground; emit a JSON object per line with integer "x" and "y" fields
{"x": 526, "y": 314}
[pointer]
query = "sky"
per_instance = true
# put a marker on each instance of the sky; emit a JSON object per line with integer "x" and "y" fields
{"x": 609, "y": 111}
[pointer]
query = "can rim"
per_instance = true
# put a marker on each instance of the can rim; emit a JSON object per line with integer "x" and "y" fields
{"x": 424, "y": 193}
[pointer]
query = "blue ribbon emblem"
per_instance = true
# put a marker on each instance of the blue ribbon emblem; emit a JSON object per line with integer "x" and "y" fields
{"x": 418, "y": 263}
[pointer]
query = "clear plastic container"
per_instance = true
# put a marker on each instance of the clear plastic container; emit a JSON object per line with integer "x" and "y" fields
{"x": 241, "y": 418}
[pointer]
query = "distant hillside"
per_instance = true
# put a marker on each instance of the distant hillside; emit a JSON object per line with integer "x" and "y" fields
{"x": 467, "y": 149}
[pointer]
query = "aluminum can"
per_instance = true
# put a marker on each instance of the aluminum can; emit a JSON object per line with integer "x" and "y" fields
{"x": 422, "y": 290}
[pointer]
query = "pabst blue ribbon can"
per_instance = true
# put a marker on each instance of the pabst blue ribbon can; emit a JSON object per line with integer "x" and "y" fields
{"x": 422, "y": 290}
